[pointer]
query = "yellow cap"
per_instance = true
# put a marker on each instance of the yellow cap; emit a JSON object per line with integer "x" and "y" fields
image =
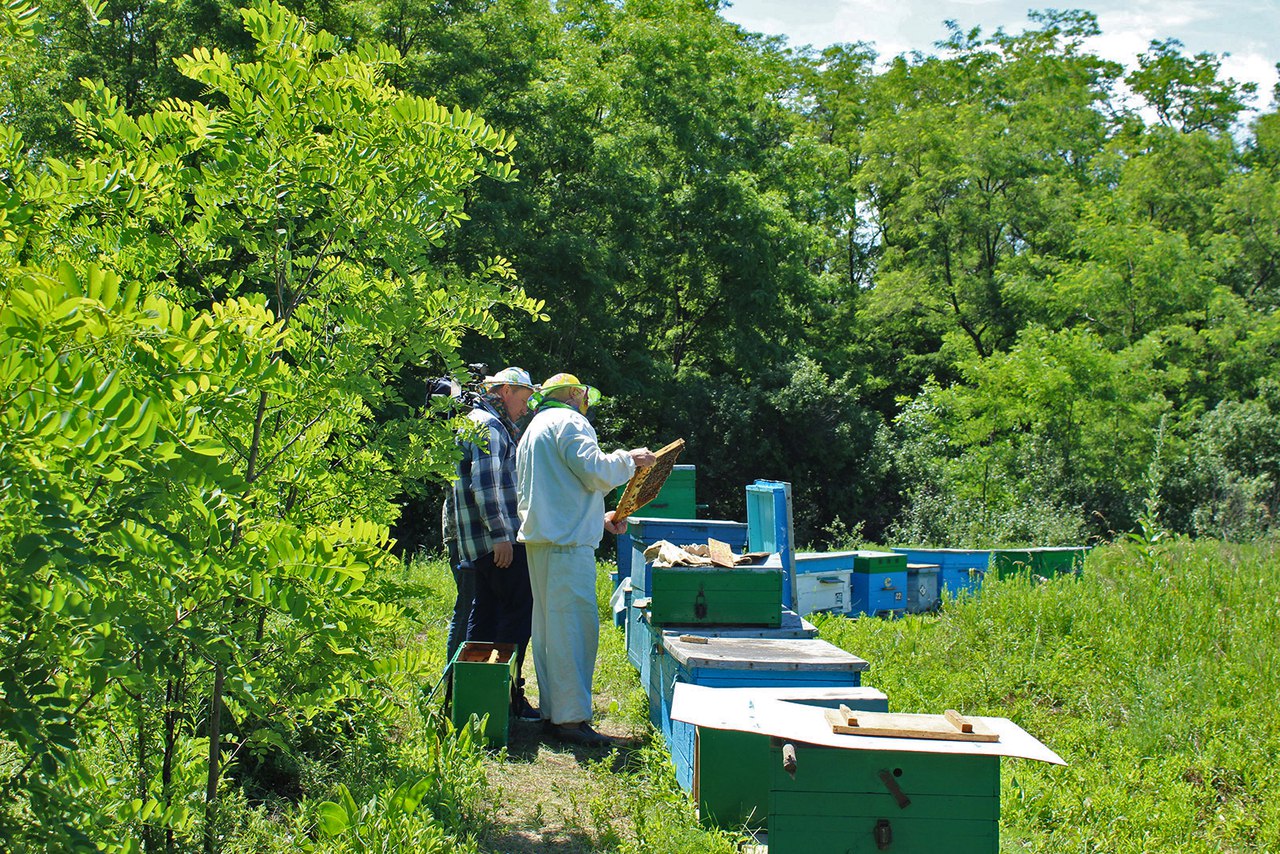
{"x": 570, "y": 381}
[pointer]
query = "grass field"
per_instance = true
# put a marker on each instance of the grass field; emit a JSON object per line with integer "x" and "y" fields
{"x": 1156, "y": 675}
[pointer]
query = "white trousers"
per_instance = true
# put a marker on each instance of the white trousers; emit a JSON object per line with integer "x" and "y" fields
{"x": 566, "y": 629}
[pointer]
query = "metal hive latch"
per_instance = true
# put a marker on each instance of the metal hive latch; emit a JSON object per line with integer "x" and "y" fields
{"x": 883, "y": 834}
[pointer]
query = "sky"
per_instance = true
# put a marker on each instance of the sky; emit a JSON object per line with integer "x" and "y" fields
{"x": 1248, "y": 30}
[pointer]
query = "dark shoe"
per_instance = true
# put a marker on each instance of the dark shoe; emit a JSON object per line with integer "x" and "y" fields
{"x": 522, "y": 710}
{"x": 581, "y": 733}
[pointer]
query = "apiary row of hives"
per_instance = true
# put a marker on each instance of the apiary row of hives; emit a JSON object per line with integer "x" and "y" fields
{"x": 742, "y": 689}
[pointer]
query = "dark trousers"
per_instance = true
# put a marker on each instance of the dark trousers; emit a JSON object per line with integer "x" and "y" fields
{"x": 465, "y": 580}
{"x": 503, "y": 607}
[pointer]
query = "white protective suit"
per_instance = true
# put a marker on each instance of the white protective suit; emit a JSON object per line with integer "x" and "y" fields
{"x": 561, "y": 479}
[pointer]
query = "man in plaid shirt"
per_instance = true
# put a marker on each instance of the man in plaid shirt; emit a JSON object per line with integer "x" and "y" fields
{"x": 484, "y": 499}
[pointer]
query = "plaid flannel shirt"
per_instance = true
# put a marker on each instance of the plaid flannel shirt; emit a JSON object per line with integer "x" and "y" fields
{"x": 484, "y": 495}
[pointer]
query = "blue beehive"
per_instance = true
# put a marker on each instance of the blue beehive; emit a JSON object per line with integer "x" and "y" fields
{"x": 769, "y": 529}
{"x": 644, "y": 642}
{"x": 879, "y": 584}
{"x": 961, "y": 570}
{"x": 643, "y": 532}
{"x": 721, "y": 662}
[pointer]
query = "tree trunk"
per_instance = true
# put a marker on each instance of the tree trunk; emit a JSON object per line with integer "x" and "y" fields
{"x": 215, "y": 750}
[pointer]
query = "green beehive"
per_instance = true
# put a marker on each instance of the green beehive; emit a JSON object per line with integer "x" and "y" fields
{"x": 872, "y": 801}
{"x": 869, "y": 562}
{"x": 731, "y": 778}
{"x": 709, "y": 596}
{"x": 1046, "y": 562}
{"x": 482, "y": 676}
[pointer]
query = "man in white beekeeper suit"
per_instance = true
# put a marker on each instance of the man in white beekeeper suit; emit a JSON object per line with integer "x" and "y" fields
{"x": 561, "y": 480}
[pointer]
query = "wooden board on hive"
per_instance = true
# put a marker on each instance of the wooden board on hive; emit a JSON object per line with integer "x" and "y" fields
{"x": 647, "y": 481}
{"x": 951, "y": 726}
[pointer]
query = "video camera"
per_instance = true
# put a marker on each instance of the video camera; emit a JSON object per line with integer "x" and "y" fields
{"x": 465, "y": 394}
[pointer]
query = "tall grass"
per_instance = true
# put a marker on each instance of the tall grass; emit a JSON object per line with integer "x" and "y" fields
{"x": 1156, "y": 675}
{"x": 412, "y": 784}
{"x": 394, "y": 778}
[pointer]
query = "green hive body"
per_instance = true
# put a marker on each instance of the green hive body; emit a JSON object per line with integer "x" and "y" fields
{"x": 693, "y": 596}
{"x": 837, "y": 798}
{"x": 1045, "y": 562}
{"x": 483, "y": 688}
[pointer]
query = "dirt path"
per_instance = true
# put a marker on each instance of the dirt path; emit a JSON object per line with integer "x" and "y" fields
{"x": 556, "y": 797}
{"x": 551, "y": 795}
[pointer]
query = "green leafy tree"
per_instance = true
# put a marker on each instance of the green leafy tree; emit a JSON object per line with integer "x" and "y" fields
{"x": 1245, "y": 247}
{"x": 975, "y": 164}
{"x": 1036, "y": 442}
{"x": 655, "y": 213}
{"x": 201, "y": 316}
{"x": 1187, "y": 92}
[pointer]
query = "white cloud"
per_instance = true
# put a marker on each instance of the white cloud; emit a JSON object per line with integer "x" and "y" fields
{"x": 1247, "y": 29}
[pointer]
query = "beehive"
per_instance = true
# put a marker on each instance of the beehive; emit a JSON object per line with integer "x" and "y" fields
{"x": 879, "y": 583}
{"x": 840, "y": 801}
{"x": 962, "y": 570}
{"x": 1046, "y": 562}
{"x": 643, "y": 531}
{"x": 482, "y": 677}
{"x": 731, "y": 768}
{"x": 738, "y": 663}
{"x": 922, "y": 588}
{"x": 696, "y": 595}
{"x": 914, "y": 788}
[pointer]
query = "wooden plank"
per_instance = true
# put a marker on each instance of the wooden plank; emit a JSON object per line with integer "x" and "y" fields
{"x": 720, "y": 553}
{"x": 889, "y": 725}
{"x": 840, "y": 719}
{"x": 958, "y": 720}
{"x": 764, "y": 654}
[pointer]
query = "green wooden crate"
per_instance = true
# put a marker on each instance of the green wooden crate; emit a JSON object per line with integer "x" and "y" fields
{"x": 837, "y": 800}
{"x": 701, "y": 596}
{"x": 869, "y": 562}
{"x": 482, "y": 686}
{"x": 1046, "y": 562}
{"x": 731, "y": 774}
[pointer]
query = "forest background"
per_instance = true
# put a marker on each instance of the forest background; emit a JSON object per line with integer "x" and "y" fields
{"x": 997, "y": 292}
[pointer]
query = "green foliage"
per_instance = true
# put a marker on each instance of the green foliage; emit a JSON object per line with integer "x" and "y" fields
{"x": 1186, "y": 92}
{"x": 200, "y": 316}
{"x": 971, "y": 161}
{"x": 391, "y": 821}
{"x": 1156, "y": 683}
{"x": 386, "y": 779}
{"x": 1055, "y": 426}
{"x": 1232, "y": 463}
